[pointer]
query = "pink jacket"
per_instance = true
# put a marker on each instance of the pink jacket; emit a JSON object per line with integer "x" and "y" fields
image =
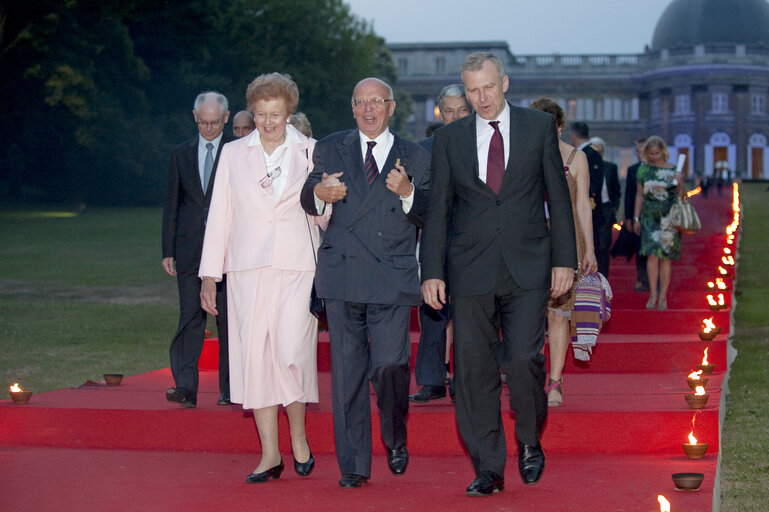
{"x": 246, "y": 229}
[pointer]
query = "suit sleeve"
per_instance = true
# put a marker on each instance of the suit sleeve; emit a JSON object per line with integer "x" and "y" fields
{"x": 562, "y": 234}
{"x": 421, "y": 187}
{"x": 171, "y": 208}
{"x": 219, "y": 223}
{"x": 630, "y": 190}
{"x": 439, "y": 204}
{"x": 307, "y": 196}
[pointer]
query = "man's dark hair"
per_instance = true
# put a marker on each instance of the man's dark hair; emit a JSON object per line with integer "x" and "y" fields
{"x": 581, "y": 129}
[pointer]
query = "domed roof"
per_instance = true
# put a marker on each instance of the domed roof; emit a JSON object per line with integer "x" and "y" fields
{"x": 691, "y": 22}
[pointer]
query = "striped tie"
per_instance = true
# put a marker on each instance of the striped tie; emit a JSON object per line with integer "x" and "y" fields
{"x": 369, "y": 165}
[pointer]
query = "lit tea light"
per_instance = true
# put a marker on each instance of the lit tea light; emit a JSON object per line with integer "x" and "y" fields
{"x": 698, "y": 399}
{"x": 727, "y": 250}
{"x": 664, "y": 503}
{"x": 709, "y": 329}
{"x": 694, "y": 449}
{"x": 714, "y": 304}
{"x": 694, "y": 379}
{"x": 727, "y": 260}
{"x": 18, "y": 395}
{"x": 616, "y": 227}
{"x": 718, "y": 284}
{"x": 723, "y": 271}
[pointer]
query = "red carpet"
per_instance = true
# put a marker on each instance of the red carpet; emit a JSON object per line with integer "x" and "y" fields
{"x": 612, "y": 447}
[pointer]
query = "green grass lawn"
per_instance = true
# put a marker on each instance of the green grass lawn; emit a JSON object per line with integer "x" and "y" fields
{"x": 745, "y": 459}
{"x": 81, "y": 296}
{"x": 84, "y": 295}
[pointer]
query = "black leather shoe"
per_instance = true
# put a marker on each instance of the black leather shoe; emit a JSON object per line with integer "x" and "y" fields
{"x": 398, "y": 459}
{"x": 531, "y": 462}
{"x": 224, "y": 399}
{"x": 273, "y": 472}
{"x": 486, "y": 484}
{"x": 304, "y": 468}
{"x": 351, "y": 481}
{"x": 174, "y": 395}
{"x": 428, "y": 393}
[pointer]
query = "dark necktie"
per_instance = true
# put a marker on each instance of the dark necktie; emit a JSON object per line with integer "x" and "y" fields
{"x": 208, "y": 166}
{"x": 369, "y": 165}
{"x": 495, "y": 165}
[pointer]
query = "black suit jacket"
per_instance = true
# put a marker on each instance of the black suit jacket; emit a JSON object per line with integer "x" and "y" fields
{"x": 631, "y": 184}
{"x": 511, "y": 226}
{"x": 612, "y": 183}
{"x": 368, "y": 254}
{"x": 186, "y": 207}
{"x": 595, "y": 164}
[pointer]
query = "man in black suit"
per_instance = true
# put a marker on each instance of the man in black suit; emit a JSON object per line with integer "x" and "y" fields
{"x": 188, "y": 195}
{"x": 610, "y": 197}
{"x": 631, "y": 184}
{"x": 367, "y": 273}
{"x": 580, "y": 138}
{"x": 489, "y": 174}
{"x": 431, "y": 366}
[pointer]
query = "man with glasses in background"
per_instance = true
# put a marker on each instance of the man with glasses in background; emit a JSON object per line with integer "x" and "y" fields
{"x": 188, "y": 196}
{"x": 367, "y": 273}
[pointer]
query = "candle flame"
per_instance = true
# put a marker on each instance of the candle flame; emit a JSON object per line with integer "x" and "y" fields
{"x": 727, "y": 250}
{"x": 727, "y": 260}
{"x": 15, "y": 388}
{"x": 720, "y": 299}
{"x": 705, "y": 357}
{"x": 707, "y": 323}
{"x": 722, "y": 270}
{"x": 712, "y": 301}
{"x": 699, "y": 391}
{"x": 695, "y": 375}
{"x": 664, "y": 503}
{"x": 720, "y": 283}
{"x": 617, "y": 227}
{"x": 692, "y": 439}
{"x": 711, "y": 285}
{"x": 694, "y": 192}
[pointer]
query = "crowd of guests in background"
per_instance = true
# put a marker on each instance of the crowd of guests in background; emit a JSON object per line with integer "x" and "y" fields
{"x": 256, "y": 221}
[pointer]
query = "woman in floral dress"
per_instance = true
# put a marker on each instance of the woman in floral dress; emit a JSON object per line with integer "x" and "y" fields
{"x": 658, "y": 185}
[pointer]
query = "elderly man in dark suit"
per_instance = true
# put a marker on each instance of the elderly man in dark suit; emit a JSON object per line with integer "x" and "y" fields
{"x": 489, "y": 174}
{"x": 367, "y": 272}
{"x": 188, "y": 195}
{"x": 609, "y": 204}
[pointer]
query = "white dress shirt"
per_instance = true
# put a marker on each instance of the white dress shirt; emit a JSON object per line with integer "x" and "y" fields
{"x": 484, "y": 131}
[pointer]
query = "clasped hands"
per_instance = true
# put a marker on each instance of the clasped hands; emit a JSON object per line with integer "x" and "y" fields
{"x": 331, "y": 189}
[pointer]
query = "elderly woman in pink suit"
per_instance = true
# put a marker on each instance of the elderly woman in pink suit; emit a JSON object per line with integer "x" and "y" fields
{"x": 258, "y": 234}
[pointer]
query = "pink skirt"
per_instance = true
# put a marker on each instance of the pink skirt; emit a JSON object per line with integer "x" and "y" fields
{"x": 273, "y": 338}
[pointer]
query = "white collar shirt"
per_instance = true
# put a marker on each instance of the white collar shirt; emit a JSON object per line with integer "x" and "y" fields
{"x": 484, "y": 131}
{"x": 203, "y": 150}
{"x": 384, "y": 143}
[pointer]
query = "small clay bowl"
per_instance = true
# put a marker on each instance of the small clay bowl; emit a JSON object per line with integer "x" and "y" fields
{"x": 696, "y": 401}
{"x": 695, "y": 451}
{"x": 708, "y": 336}
{"x": 716, "y": 307}
{"x": 113, "y": 379}
{"x": 707, "y": 369}
{"x": 699, "y": 382}
{"x": 21, "y": 397}
{"x": 688, "y": 481}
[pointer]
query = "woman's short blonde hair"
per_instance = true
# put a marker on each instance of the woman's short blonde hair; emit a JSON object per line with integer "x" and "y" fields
{"x": 271, "y": 86}
{"x": 657, "y": 142}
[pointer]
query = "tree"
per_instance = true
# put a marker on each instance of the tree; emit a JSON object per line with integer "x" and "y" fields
{"x": 95, "y": 93}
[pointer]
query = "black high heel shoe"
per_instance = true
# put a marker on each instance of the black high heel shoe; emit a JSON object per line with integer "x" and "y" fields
{"x": 273, "y": 472}
{"x": 304, "y": 468}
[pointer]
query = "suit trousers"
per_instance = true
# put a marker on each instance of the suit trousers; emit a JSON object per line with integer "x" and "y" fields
{"x": 188, "y": 342}
{"x": 430, "y": 368}
{"x": 480, "y": 354}
{"x": 603, "y": 222}
{"x": 369, "y": 342}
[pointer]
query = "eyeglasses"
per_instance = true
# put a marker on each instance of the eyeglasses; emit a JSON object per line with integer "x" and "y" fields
{"x": 267, "y": 180}
{"x": 371, "y": 102}
{"x": 212, "y": 124}
{"x": 274, "y": 117}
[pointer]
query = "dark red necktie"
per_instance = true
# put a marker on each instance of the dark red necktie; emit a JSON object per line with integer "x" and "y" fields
{"x": 369, "y": 165}
{"x": 495, "y": 165}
